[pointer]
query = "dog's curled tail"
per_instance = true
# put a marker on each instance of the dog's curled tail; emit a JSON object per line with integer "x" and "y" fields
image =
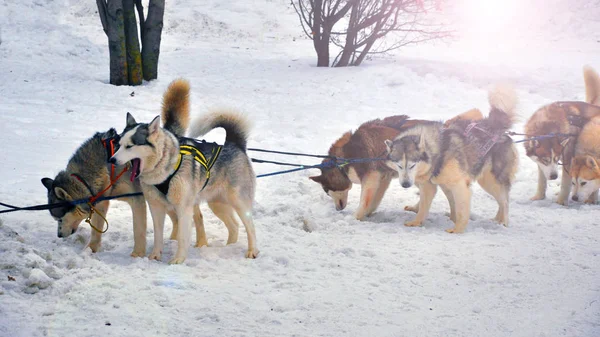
{"x": 176, "y": 107}
{"x": 503, "y": 101}
{"x": 592, "y": 85}
{"x": 236, "y": 125}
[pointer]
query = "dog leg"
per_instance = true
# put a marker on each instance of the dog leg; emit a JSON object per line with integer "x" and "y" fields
{"x": 541, "y": 187}
{"x": 500, "y": 192}
{"x": 565, "y": 188}
{"x": 173, "y": 216}
{"x": 384, "y": 183}
{"x": 224, "y": 212}
{"x": 138, "y": 211}
{"x": 461, "y": 193}
{"x": 450, "y": 198}
{"x": 185, "y": 216}
{"x": 157, "y": 210}
{"x": 368, "y": 187}
{"x": 199, "y": 223}
{"x": 98, "y": 222}
{"x": 244, "y": 211}
{"x": 427, "y": 193}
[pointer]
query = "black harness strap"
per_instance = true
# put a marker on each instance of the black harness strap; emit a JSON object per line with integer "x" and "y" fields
{"x": 199, "y": 150}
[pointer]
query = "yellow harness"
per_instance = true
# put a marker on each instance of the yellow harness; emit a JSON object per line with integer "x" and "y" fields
{"x": 198, "y": 151}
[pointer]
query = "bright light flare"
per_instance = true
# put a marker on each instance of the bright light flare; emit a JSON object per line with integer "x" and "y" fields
{"x": 482, "y": 18}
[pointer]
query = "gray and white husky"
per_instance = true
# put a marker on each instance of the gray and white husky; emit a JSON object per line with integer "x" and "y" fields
{"x": 174, "y": 177}
{"x": 88, "y": 172}
{"x": 468, "y": 148}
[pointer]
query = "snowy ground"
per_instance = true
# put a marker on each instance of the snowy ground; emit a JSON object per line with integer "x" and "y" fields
{"x": 320, "y": 272}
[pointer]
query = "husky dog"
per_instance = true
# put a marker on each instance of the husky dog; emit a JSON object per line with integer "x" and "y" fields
{"x": 428, "y": 155}
{"x": 585, "y": 169}
{"x": 88, "y": 172}
{"x": 373, "y": 176}
{"x": 547, "y": 153}
{"x": 176, "y": 177}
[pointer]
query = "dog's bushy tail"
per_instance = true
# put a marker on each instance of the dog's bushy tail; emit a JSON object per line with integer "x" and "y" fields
{"x": 503, "y": 102}
{"x": 176, "y": 107}
{"x": 236, "y": 125}
{"x": 592, "y": 85}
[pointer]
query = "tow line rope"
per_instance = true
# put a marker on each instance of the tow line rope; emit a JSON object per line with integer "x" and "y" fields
{"x": 333, "y": 162}
{"x": 550, "y": 135}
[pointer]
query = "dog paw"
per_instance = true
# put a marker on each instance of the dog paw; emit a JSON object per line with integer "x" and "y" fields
{"x": 413, "y": 223}
{"x": 537, "y": 197}
{"x": 564, "y": 202}
{"x": 455, "y": 230}
{"x": 414, "y": 209}
{"x": 154, "y": 256}
{"x": 94, "y": 246}
{"x": 360, "y": 216}
{"x": 201, "y": 244}
{"x": 177, "y": 260}
{"x": 138, "y": 253}
{"x": 252, "y": 253}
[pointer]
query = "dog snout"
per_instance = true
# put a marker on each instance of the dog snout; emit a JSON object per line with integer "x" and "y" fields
{"x": 575, "y": 197}
{"x": 60, "y": 234}
{"x": 406, "y": 184}
{"x": 112, "y": 160}
{"x": 553, "y": 176}
{"x": 340, "y": 205}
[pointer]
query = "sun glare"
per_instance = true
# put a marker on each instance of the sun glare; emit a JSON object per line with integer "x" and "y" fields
{"x": 484, "y": 17}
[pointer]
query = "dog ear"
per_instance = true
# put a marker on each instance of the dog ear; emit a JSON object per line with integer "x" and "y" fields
{"x": 591, "y": 163}
{"x": 47, "y": 182}
{"x": 315, "y": 178}
{"x": 154, "y": 125}
{"x": 565, "y": 142}
{"x": 388, "y": 145}
{"x": 130, "y": 120}
{"x": 62, "y": 194}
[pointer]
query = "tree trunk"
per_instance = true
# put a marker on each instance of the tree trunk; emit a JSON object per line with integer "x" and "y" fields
{"x": 364, "y": 52}
{"x": 320, "y": 35}
{"x": 351, "y": 33}
{"x": 322, "y": 49}
{"x": 151, "y": 38}
{"x": 113, "y": 24}
{"x": 134, "y": 58}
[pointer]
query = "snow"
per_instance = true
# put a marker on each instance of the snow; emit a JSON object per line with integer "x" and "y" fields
{"x": 320, "y": 272}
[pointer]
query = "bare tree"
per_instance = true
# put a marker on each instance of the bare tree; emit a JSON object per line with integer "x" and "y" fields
{"x": 369, "y": 21}
{"x": 318, "y": 18}
{"x": 128, "y": 66}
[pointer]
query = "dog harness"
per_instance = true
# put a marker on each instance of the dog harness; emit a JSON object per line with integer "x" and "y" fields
{"x": 485, "y": 148}
{"x": 109, "y": 145}
{"x": 199, "y": 150}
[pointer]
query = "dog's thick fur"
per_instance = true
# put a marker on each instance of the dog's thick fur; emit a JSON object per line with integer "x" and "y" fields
{"x": 230, "y": 187}
{"x": 90, "y": 163}
{"x": 430, "y": 154}
{"x": 373, "y": 176}
{"x": 585, "y": 169}
{"x": 547, "y": 153}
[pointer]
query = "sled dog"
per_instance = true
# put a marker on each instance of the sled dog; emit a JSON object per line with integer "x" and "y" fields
{"x": 374, "y": 177}
{"x": 176, "y": 173}
{"x": 548, "y": 153}
{"x": 585, "y": 170}
{"x": 88, "y": 172}
{"x": 468, "y": 149}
